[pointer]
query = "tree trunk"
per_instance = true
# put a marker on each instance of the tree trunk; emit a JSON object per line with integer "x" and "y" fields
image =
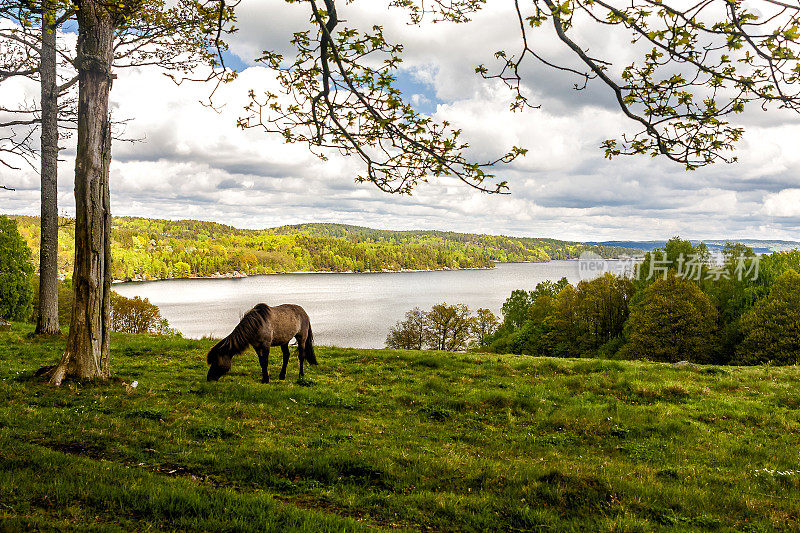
{"x": 87, "y": 350}
{"x": 47, "y": 321}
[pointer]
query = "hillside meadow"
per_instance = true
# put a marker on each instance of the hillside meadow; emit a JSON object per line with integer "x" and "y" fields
{"x": 395, "y": 440}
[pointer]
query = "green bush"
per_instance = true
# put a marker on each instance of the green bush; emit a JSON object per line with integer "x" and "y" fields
{"x": 771, "y": 328}
{"x": 137, "y": 315}
{"x": 16, "y": 273}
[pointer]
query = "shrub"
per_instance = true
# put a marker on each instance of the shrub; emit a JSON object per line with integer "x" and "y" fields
{"x": 772, "y": 327}
{"x": 16, "y": 273}
{"x": 530, "y": 339}
{"x": 673, "y": 321}
{"x": 136, "y": 315}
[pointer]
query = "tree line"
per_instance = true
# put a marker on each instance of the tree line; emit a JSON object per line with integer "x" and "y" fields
{"x": 681, "y": 305}
{"x": 161, "y": 249}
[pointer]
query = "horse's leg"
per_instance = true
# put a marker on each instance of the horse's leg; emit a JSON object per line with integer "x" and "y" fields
{"x": 263, "y": 359}
{"x": 301, "y": 351}
{"x": 285, "y": 350}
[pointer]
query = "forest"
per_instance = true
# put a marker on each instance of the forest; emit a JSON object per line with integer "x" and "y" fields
{"x": 146, "y": 249}
{"x": 682, "y": 305}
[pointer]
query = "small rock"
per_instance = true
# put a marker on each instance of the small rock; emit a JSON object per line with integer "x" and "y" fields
{"x": 683, "y": 364}
{"x": 4, "y": 326}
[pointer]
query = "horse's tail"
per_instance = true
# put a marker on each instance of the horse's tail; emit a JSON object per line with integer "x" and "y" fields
{"x": 309, "y": 347}
{"x": 238, "y": 340}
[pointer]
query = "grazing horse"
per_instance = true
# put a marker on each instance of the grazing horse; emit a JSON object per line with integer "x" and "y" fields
{"x": 262, "y": 327}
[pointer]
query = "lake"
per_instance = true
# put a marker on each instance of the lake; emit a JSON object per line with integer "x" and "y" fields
{"x": 347, "y": 310}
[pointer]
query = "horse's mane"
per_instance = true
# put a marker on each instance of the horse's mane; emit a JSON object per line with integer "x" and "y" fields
{"x": 242, "y": 334}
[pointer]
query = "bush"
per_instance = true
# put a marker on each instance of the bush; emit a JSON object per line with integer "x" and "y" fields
{"x": 772, "y": 327}
{"x": 673, "y": 321}
{"x": 135, "y": 315}
{"x": 530, "y": 339}
{"x": 16, "y": 273}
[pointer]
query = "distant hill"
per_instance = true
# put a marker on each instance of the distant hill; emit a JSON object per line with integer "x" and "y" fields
{"x": 517, "y": 248}
{"x": 158, "y": 249}
{"x": 716, "y": 245}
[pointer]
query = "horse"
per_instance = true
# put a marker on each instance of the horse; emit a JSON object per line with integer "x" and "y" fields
{"x": 263, "y": 327}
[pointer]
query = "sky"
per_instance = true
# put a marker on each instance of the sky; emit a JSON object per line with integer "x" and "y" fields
{"x": 187, "y": 161}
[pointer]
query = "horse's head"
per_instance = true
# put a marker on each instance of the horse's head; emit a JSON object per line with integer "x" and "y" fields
{"x": 219, "y": 364}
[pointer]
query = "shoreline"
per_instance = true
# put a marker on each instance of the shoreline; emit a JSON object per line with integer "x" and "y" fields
{"x": 239, "y": 275}
{"x": 304, "y": 272}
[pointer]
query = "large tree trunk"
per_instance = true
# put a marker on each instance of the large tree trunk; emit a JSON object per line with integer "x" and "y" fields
{"x": 87, "y": 350}
{"x": 47, "y": 321}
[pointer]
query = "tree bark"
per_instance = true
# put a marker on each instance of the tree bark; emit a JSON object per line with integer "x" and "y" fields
{"x": 47, "y": 320}
{"x": 86, "y": 355}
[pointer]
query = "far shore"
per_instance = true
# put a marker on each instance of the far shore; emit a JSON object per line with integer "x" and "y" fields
{"x": 239, "y": 275}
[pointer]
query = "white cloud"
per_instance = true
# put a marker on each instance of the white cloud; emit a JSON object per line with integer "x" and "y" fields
{"x": 715, "y": 203}
{"x": 783, "y": 204}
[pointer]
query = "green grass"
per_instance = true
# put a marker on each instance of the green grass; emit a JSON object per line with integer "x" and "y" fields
{"x": 385, "y": 439}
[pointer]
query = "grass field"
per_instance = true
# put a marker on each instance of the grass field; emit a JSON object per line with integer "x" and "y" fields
{"x": 384, "y": 439}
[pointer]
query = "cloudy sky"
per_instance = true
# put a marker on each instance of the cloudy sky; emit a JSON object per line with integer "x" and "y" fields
{"x": 192, "y": 161}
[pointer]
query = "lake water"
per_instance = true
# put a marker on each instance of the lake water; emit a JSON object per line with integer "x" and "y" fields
{"x": 347, "y": 310}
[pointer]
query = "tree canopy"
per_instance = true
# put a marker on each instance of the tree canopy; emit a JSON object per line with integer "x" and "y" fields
{"x": 673, "y": 321}
{"x": 16, "y": 273}
{"x": 696, "y": 65}
{"x": 771, "y": 329}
